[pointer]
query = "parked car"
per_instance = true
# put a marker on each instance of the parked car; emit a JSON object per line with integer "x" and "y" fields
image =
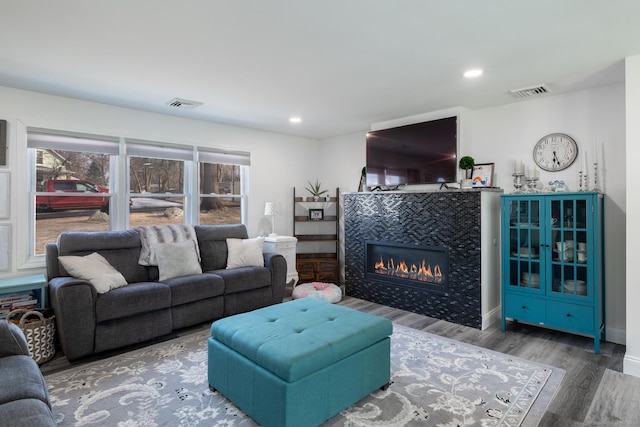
{"x": 48, "y": 203}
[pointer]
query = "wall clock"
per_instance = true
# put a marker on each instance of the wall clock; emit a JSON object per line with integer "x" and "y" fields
{"x": 555, "y": 152}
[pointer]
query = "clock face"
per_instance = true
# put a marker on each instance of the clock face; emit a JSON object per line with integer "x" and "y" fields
{"x": 555, "y": 152}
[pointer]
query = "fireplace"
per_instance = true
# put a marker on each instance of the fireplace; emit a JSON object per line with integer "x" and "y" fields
{"x": 414, "y": 266}
{"x": 462, "y": 227}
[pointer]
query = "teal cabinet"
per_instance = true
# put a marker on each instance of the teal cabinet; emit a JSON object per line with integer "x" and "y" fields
{"x": 552, "y": 261}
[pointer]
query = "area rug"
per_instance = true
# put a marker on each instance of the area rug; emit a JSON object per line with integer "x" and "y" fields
{"x": 434, "y": 381}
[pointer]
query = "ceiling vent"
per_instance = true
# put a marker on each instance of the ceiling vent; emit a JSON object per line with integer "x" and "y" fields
{"x": 525, "y": 92}
{"x": 184, "y": 104}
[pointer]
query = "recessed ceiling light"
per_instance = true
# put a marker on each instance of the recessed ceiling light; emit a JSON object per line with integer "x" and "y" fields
{"x": 473, "y": 73}
{"x": 295, "y": 120}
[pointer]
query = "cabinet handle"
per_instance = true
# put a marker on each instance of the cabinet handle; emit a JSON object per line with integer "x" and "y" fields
{"x": 524, "y": 307}
{"x": 568, "y": 314}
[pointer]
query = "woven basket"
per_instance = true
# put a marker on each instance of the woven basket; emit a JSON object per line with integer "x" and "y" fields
{"x": 38, "y": 331}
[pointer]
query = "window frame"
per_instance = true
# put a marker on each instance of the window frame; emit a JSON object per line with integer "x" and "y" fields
{"x": 119, "y": 177}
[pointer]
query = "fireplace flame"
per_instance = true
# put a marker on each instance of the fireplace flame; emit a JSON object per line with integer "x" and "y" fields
{"x": 422, "y": 272}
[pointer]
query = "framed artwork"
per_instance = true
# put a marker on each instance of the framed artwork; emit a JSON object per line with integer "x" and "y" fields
{"x": 5, "y": 238}
{"x": 482, "y": 175}
{"x": 4, "y": 195}
{"x": 316, "y": 214}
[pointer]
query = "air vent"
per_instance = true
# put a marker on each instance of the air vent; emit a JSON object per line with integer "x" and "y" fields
{"x": 184, "y": 104}
{"x": 525, "y": 92}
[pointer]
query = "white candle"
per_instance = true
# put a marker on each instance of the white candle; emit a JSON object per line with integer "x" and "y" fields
{"x": 531, "y": 171}
{"x": 519, "y": 166}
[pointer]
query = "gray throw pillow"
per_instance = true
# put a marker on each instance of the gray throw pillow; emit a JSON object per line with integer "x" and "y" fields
{"x": 177, "y": 259}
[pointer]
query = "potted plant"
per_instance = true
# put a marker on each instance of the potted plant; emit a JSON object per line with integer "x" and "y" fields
{"x": 315, "y": 190}
{"x": 466, "y": 164}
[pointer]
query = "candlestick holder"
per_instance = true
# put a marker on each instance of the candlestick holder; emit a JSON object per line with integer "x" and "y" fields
{"x": 580, "y": 181}
{"x": 595, "y": 187}
{"x": 517, "y": 182}
{"x": 585, "y": 178}
{"x": 533, "y": 184}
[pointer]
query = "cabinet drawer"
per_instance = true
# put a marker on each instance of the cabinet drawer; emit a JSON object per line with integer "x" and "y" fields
{"x": 525, "y": 308}
{"x": 306, "y": 266}
{"x": 327, "y": 266}
{"x": 574, "y": 317}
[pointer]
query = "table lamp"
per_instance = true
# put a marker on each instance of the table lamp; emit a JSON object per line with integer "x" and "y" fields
{"x": 273, "y": 209}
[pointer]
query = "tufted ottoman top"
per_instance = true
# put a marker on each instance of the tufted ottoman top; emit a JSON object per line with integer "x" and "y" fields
{"x": 297, "y": 338}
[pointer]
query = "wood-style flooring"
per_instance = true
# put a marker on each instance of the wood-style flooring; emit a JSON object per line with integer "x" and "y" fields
{"x": 593, "y": 392}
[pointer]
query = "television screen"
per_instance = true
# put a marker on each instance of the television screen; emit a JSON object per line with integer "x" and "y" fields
{"x": 421, "y": 153}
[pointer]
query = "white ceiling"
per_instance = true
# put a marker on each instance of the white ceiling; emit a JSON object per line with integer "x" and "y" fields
{"x": 341, "y": 65}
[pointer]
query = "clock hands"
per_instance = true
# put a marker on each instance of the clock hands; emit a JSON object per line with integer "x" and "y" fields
{"x": 555, "y": 159}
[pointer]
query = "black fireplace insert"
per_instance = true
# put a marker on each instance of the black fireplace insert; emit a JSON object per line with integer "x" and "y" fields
{"x": 414, "y": 266}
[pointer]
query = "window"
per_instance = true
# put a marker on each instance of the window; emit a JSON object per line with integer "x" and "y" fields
{"x": 157, "y": 183}
{"x": 75, "y": 181}
{"x": 70, "y": 184}
{"x": 221, "y": 178}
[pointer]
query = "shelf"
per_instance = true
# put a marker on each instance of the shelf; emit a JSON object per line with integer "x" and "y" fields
{"x": 332, "y": 218}
{"x": 312, "y": 255}
{"x": 320, "y": 241}
{"x": 316, "y": 237}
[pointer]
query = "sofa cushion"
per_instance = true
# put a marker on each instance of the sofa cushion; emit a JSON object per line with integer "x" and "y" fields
{"x": 245, "y": 252}
{"x": 171, "y": 233}
{"x": 21, "y": 379}
{"x": 187, "y": 289}
{"x": 120, "y": 248}
{"x": 177, "y": 259}
{"x": 27, "y": 413}
{"x": 212, "y": 240}
{"x": 133, "y": 299}
{"x": 95, "y": 269}
{"x": 244, "y": 278}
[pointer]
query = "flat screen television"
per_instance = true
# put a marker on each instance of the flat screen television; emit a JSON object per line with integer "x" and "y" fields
{"x": 421, "y": 153}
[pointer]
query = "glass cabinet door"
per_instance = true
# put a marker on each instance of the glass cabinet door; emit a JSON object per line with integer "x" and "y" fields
{"x": 569, "y": 244}
{"x": 524, "y": 244}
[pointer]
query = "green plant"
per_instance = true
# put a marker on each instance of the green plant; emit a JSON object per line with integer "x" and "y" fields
{"x": 467, "y": 164}
{"x": 315, "y": 189}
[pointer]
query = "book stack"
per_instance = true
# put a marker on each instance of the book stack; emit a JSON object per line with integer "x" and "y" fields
{"x": 26, "y": 300}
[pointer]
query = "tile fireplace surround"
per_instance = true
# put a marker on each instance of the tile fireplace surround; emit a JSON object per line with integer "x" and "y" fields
{"x": 453, "y": 220}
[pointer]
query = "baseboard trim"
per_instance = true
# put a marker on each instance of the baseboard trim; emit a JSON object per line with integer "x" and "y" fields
{"x": 618, "y": 336}
{"x": 491, "y": 317}
{"x": 631, "y": 365}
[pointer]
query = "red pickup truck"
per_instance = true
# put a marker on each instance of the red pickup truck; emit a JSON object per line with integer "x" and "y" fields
{"x": 47, "y": 203}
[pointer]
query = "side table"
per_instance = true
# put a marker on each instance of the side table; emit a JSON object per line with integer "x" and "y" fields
{"x": 18, "y": 285}
{"x": 286, "y": 246}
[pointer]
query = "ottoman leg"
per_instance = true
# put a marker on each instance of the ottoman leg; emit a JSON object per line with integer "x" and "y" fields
{"x": 386, "y": 386}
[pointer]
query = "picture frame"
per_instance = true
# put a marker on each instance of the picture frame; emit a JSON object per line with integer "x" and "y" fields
{"x": 4, "y": 194}
{"x": 482, "y": 175}
{"x": 5, "y": 253}
{"x": 316, "y": 214}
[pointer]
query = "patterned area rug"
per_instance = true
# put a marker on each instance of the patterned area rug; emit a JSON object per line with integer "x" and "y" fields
{"x": 435, "y": 381}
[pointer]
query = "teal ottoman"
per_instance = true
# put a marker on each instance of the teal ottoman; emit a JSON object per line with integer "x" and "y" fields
{"x": 299, "y": 363}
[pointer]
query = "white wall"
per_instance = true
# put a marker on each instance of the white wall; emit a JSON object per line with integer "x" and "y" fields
{"x": 280, "y": 162}
{"x": 277, "y": 161}
{"x": 509, "y": 132}
{"x": 632, "y": 356}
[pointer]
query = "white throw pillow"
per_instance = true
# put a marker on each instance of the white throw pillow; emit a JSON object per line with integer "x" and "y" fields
{"x": 177, "y": 259}
{"x": 245, "y": 252}
{"x": 95, "y": 269}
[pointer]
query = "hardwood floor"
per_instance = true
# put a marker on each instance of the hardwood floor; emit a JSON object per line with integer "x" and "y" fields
{"x": 593, "y": 391}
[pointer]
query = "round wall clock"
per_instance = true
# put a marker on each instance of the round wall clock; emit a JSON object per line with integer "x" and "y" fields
{"x": 555, "y": 152}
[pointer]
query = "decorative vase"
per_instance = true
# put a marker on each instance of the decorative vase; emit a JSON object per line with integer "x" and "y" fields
{"x": 466, "y": 183}
{"x": 316, "y": 198}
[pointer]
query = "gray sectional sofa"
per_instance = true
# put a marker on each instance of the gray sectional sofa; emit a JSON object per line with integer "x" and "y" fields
{"x": 24, "y": 398}
{"x": 89, "y": 322}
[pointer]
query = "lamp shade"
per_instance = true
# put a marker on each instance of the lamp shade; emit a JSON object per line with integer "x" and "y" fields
{"x": 272, "y": 208}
